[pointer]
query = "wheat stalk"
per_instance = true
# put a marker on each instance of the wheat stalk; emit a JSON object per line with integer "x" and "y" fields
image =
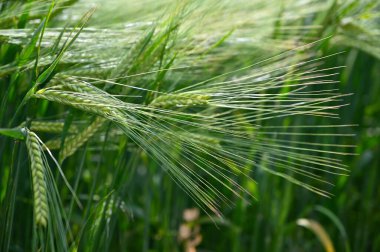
{"x": 38, "y": 179}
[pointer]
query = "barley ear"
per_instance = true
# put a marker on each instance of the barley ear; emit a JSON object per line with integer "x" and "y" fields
{"x": 51, "y": 127}
{"x": 81, "y": 87}
{"x": 38, "y": 179}
{"x": 54, "y": 144}
{"x": 75, "y": 142}
{"x": 85, "y": 103}
{"x": 180, "y": 100}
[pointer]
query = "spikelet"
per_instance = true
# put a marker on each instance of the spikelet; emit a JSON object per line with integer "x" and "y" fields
{"x": 179, "y": 100}
{"x": 75, "y": 142}
{"x": 38, "y": 179}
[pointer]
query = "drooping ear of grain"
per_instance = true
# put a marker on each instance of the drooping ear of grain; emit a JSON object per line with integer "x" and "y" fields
{"x": 51, "y": 127}
{"x": 179, "y": 100}
{"x": 38, "y": 179}
{"x": 55, "y": 144}
{"x": 74, "y": 142}
{"x": 85, "y": 103}
{"x": 81, "y": 87}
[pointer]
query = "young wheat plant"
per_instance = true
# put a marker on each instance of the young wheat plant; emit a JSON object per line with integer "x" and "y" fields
{"x": 122, "y": 96}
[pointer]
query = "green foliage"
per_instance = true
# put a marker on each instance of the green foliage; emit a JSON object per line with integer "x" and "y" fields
{"x": 242, "y": 104}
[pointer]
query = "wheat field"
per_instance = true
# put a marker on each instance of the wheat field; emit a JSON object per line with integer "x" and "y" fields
{"x": 189, "y": 126}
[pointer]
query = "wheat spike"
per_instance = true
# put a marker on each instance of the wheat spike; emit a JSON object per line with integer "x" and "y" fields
{"x": 38, "y": 179}
{"x": 179, "y": 100}
{"x": 74, "y": 100}
{"x": 51, "y": 127}
{"x": 80, "y": 87}
{"x": 66, "y": 82}
{"x": 55, "y": 144}
{"x": 75, "y": 142}
{"x": 94, "y": 72}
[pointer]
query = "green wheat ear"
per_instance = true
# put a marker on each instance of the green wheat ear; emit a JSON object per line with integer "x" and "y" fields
{"x": 179, "y": 100}
{"x": 76, "y": 141}
{"x": 50, "y": 127}
{"x": 77, "y": 100}
{"x": 38, "y": 179}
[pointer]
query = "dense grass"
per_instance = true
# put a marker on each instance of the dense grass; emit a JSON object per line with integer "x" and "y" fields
{"x": 142, "y": 121}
